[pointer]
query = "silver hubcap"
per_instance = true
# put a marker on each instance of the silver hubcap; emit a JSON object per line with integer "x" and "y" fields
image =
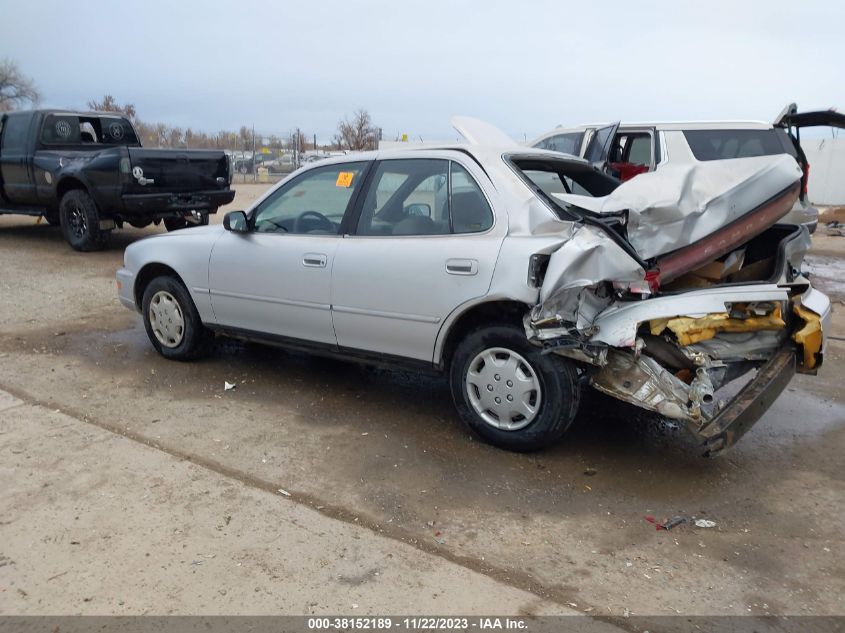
{"x": 503, "y": 389}
{"x": 166, "y": 319}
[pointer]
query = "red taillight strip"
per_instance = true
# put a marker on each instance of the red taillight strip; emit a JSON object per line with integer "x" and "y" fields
{"x": 727, "y": 238}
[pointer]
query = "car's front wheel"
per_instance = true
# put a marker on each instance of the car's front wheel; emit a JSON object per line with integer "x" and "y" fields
{"x": 509, "y": 393}
{"x": 171, "y": 319}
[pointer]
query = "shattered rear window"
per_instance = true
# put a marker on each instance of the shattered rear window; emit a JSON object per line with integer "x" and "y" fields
{"x": 566, "y": 177}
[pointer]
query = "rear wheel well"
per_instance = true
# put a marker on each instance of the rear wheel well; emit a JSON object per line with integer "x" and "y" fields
{"x": 147, "y": 274}
{"x": 68, "y": 184}
{"x": 489, "y": 313}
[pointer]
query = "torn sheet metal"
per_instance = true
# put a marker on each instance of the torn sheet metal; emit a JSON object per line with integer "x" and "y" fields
{"x": 641, "y": 381}
{"x": 679, "y": 205}
{"x": 569, "y": 292}
{"x": 617, "y": 325}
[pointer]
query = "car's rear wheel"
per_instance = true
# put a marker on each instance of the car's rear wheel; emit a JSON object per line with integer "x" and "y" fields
{"x": 80, "y": 222}
{"x": 509, "y": 393}
{"x": 171, "y": 319}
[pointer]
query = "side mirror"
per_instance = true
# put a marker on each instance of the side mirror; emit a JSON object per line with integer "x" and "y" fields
{"x": 418, "y": 209}
{"x": 236, "y": 222}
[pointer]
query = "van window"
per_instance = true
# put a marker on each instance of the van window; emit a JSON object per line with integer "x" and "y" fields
{"x": 725, "y": 144}
{"x": 568, "y": 143}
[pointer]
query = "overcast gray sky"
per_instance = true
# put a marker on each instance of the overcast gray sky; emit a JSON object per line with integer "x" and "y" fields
{"x": 524, "y": 66}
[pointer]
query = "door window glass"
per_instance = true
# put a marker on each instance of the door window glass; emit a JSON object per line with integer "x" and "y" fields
{"x": 407, "y": 197}
{"x": 412, "y": 197}
{"x": 470, "y": 211}
{"x": 15, "y": 131}
{"x": 638, "y": 149}
{"x": 312, "y": 204}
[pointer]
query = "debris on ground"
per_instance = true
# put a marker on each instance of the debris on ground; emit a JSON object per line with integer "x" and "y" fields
{"x": 666, "y": 524}
{"x": 228, "y": 386}
{"x": 590, "y": 472}
{"x": 704, "y": 523}
{"x": 282, "y": 491}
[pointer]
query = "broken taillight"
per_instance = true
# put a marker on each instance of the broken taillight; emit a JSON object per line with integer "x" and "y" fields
{"x": 537, "y": 266}
{"x": 649, "y": 284}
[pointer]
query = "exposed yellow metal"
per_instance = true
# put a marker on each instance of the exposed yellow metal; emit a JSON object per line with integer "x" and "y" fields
{"x": 690, "y": 330}
{"x": 808, "y": 337}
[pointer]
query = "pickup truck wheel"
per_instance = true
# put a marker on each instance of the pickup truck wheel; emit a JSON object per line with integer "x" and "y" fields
{"x": 80, "y": 222}
{"x": 509, "y": 393}
{"x": 171, "y": 319}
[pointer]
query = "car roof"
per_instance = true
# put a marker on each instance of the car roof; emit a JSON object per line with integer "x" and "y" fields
{"x": 482, "y": 154}
{"x": 669, "y": 125}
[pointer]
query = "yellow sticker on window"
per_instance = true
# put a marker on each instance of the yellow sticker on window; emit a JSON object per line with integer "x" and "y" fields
{"x": 344, "y": 179}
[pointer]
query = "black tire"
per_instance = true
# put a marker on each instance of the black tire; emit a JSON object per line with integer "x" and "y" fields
{"x": 559, "y": 391}
{"x": 193, "y": 338}
{"x": 174, "y": 224}
{"x": 80, "y": 222}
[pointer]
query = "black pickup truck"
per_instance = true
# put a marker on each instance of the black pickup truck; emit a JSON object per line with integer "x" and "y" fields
{"x": 88, "y": 173}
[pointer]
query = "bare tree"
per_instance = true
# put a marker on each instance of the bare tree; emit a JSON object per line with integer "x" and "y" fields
{"x": 110, "y": 104}
{"x": 357, "y": 134}
{"x": 245, "y": 138}
{"x": 15, "y": 88}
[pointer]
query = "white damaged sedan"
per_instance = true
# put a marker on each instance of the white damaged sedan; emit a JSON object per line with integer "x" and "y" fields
{"x": 522, "y": 274}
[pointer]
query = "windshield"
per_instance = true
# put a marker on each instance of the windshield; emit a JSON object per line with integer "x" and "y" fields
{"x": 72, "y": 129}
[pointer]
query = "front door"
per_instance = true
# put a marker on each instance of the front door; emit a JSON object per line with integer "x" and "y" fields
{"x": 276, "y": 278}
{"x": 15, "y": 159}
{"x": 425, "y": 242}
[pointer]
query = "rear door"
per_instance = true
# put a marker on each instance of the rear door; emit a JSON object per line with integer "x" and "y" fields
{"x": 790, "y": 117}
{"x": 424, "y": 241}
{"x": 15, "y": 158}
{"x": 633, "y": 152}
{"x": 600, "y": 144}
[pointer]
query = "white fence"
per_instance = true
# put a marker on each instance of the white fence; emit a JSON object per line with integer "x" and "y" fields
{"x": 827, "y": 170}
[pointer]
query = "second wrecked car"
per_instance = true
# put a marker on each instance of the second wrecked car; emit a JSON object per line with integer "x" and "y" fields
{"x": 521, "y": 273}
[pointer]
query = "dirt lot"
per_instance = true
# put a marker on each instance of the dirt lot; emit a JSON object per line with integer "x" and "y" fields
{"x": 137, "y": 485}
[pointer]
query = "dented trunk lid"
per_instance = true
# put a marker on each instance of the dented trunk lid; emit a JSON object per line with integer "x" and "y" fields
{"x": 687, "y": 215}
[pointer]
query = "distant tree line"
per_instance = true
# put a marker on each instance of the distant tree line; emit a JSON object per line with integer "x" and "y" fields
{"x": 358, "y": 133}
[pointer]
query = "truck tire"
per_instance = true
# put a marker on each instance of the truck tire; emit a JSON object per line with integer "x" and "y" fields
{"x": 171, "y": 320}
{"x": 80, "y": 222}
{"x": 510, "y": 394}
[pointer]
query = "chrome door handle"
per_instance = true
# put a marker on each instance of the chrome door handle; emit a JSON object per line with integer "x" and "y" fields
{"x": 314, "y": 260}
{"x": 462, "y": 266}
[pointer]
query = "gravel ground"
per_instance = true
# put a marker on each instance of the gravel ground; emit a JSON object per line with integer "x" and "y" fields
{"x": 377, "y": 457}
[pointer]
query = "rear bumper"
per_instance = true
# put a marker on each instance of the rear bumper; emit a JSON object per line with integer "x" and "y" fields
{"x": 641, "y": 380}
{"x": 163, "y": 203}
{"x": 749, "y": 405}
